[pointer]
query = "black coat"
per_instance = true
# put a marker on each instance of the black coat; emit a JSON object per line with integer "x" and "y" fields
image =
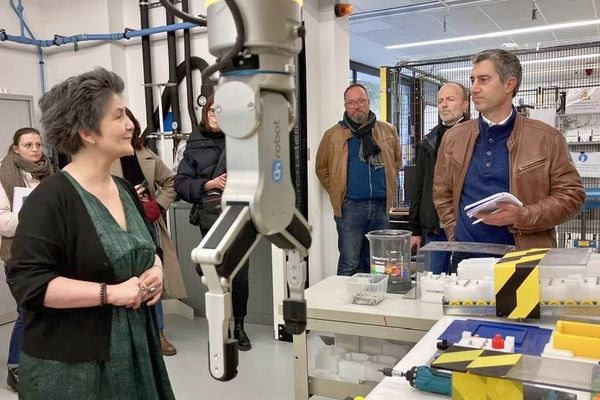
{"x": 200, "y": 158}
{"x": 422, "y": 215}
{"x": 56, "y": 237}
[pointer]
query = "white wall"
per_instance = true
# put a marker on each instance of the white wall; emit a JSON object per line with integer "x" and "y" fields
{"x": 327, "y": 55}
{"x": 70, "y": 17}
{"x": 18, "y": 63}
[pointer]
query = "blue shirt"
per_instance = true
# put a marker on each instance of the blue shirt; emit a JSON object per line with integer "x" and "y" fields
{"x": 365, "y": 181}
{"x": 488, "y": 173}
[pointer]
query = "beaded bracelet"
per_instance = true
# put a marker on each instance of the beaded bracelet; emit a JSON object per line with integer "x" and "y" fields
{"x": 103, "y": 300}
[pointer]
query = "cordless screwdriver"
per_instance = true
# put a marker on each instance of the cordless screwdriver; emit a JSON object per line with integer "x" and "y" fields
{"x": 425, "y": 379}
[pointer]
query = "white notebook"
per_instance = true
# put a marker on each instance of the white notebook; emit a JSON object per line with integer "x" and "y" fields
{"x": 490, "y": 203}
{"x": 19, "y": 196}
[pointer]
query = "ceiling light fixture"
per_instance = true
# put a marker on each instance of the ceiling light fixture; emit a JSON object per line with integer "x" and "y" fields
{"x": 542, "y": 28}
{"x": 529, "y": 62}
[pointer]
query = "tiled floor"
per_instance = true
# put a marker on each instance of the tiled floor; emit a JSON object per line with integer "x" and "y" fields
{"x": 264, "y": 373}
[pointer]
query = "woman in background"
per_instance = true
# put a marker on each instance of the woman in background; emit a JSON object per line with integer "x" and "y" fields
{"x": 84, "y": 265}
{"x": 195, "y": 177}
{"x": 155, "y": 185}
{"x": 25, "y": 166}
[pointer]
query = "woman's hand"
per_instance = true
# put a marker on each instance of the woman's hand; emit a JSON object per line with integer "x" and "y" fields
{"x": 218, "y": 183}
{"x": 140, "y": 189}
{"x": 142, "y": 192}
{"x": 129, "y": 294}
{"x": 153, "y": 279}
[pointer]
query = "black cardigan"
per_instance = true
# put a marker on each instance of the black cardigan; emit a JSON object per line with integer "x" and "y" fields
{"x": 56, "y": 237}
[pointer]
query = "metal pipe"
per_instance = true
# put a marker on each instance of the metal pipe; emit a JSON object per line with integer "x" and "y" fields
{"x": 19, "y": 11}
{"x": 21, "y": 18}
{"x": 20, "y": 14}
{"x": 197, "y": 63}
{"x": 42, "y": 70}
{"x": 173, "y": 90}
{"x": 147, "y": 66}
{"x": 200, "y": 20}
{"x": 189, "y": 83}
{"x": 127, "y": 34}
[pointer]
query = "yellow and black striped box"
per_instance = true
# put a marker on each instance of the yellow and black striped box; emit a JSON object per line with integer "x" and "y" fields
{"x": 477, "y": 387}
{"x": 477, "y": 361}
{"x": 517, "y": 284}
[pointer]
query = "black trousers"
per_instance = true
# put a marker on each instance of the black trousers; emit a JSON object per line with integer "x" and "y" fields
{"x": 239, "y": 289}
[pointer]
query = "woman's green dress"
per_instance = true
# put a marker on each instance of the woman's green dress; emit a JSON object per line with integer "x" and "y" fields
{"x": 136, "y": 369}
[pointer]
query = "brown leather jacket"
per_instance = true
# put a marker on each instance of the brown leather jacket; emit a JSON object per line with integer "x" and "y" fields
{"x": 542, "y": 176}
{"x": 332, "y": 161}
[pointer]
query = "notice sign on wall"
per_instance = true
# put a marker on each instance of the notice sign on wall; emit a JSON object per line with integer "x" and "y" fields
{"x": 587, "y": 164}
{"x": 582, "y": 101}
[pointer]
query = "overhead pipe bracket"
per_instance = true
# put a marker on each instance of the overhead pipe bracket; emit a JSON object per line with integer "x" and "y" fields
{"x": 126, "y": 32}
{"x": 59, "y": 39}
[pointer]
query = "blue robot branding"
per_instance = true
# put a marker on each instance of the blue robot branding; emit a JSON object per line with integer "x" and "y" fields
{"x": 277, "y": 171}
{"x": 277, "y": 163}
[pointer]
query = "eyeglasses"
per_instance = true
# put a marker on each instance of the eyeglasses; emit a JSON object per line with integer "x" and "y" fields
{"x": 354, "y": 103}
{"x": 32, "y": 145}
{"x": 211, "y": 112}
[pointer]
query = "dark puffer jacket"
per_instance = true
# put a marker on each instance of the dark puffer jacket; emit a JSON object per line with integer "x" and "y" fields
{"x": 422, "y": 215}
{"x": 198, "y": 165}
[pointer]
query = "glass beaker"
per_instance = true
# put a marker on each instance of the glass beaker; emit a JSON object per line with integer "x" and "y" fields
{"x": 390, "y": 252}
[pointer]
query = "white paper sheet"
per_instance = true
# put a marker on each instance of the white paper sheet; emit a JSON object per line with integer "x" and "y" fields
{"x": 19, "y": 196}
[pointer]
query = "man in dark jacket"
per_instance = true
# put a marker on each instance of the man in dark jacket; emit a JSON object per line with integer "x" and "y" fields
{"x": 425, "y": 224}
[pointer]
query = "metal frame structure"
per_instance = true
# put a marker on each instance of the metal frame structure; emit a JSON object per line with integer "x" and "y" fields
{"x": 547, "y": 74}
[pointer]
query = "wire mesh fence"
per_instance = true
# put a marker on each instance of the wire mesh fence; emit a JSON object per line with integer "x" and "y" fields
{"x": 548, "y": 75}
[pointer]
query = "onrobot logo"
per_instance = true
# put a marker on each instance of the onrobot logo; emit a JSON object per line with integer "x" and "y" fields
{"x": 277, "y": 163}
{"x": 277, "y": 138}
{"x": 277, "y": 171}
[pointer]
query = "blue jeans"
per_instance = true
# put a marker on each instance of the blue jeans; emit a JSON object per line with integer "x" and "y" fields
{"x": 359, "y": 217}
{"x": 439, "y": 261}
{"x": 14, "y": 349}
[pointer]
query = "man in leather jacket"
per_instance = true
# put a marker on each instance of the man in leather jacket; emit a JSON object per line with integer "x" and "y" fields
{"x": 502, "y": 151}
{"x": 452, "y": 104}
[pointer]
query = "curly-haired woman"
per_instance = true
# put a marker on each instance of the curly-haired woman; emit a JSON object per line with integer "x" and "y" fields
{"x": 83, "y": 264}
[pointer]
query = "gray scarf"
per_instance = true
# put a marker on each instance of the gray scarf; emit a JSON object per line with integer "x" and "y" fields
{"x": 369, "y": 151}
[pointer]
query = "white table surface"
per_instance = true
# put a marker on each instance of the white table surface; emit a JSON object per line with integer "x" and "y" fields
{"x": 329, "y": 299}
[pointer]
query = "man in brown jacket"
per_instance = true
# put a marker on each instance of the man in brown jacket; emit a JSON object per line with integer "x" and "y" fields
{"x": 357, "y": 163}
{"x": 502, "y": 151}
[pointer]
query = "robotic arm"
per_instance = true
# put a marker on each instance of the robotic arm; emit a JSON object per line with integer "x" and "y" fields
{"x": 255, "y": 105}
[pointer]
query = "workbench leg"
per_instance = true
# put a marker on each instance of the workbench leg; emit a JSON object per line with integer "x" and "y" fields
{"x": 300, "y": 367}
